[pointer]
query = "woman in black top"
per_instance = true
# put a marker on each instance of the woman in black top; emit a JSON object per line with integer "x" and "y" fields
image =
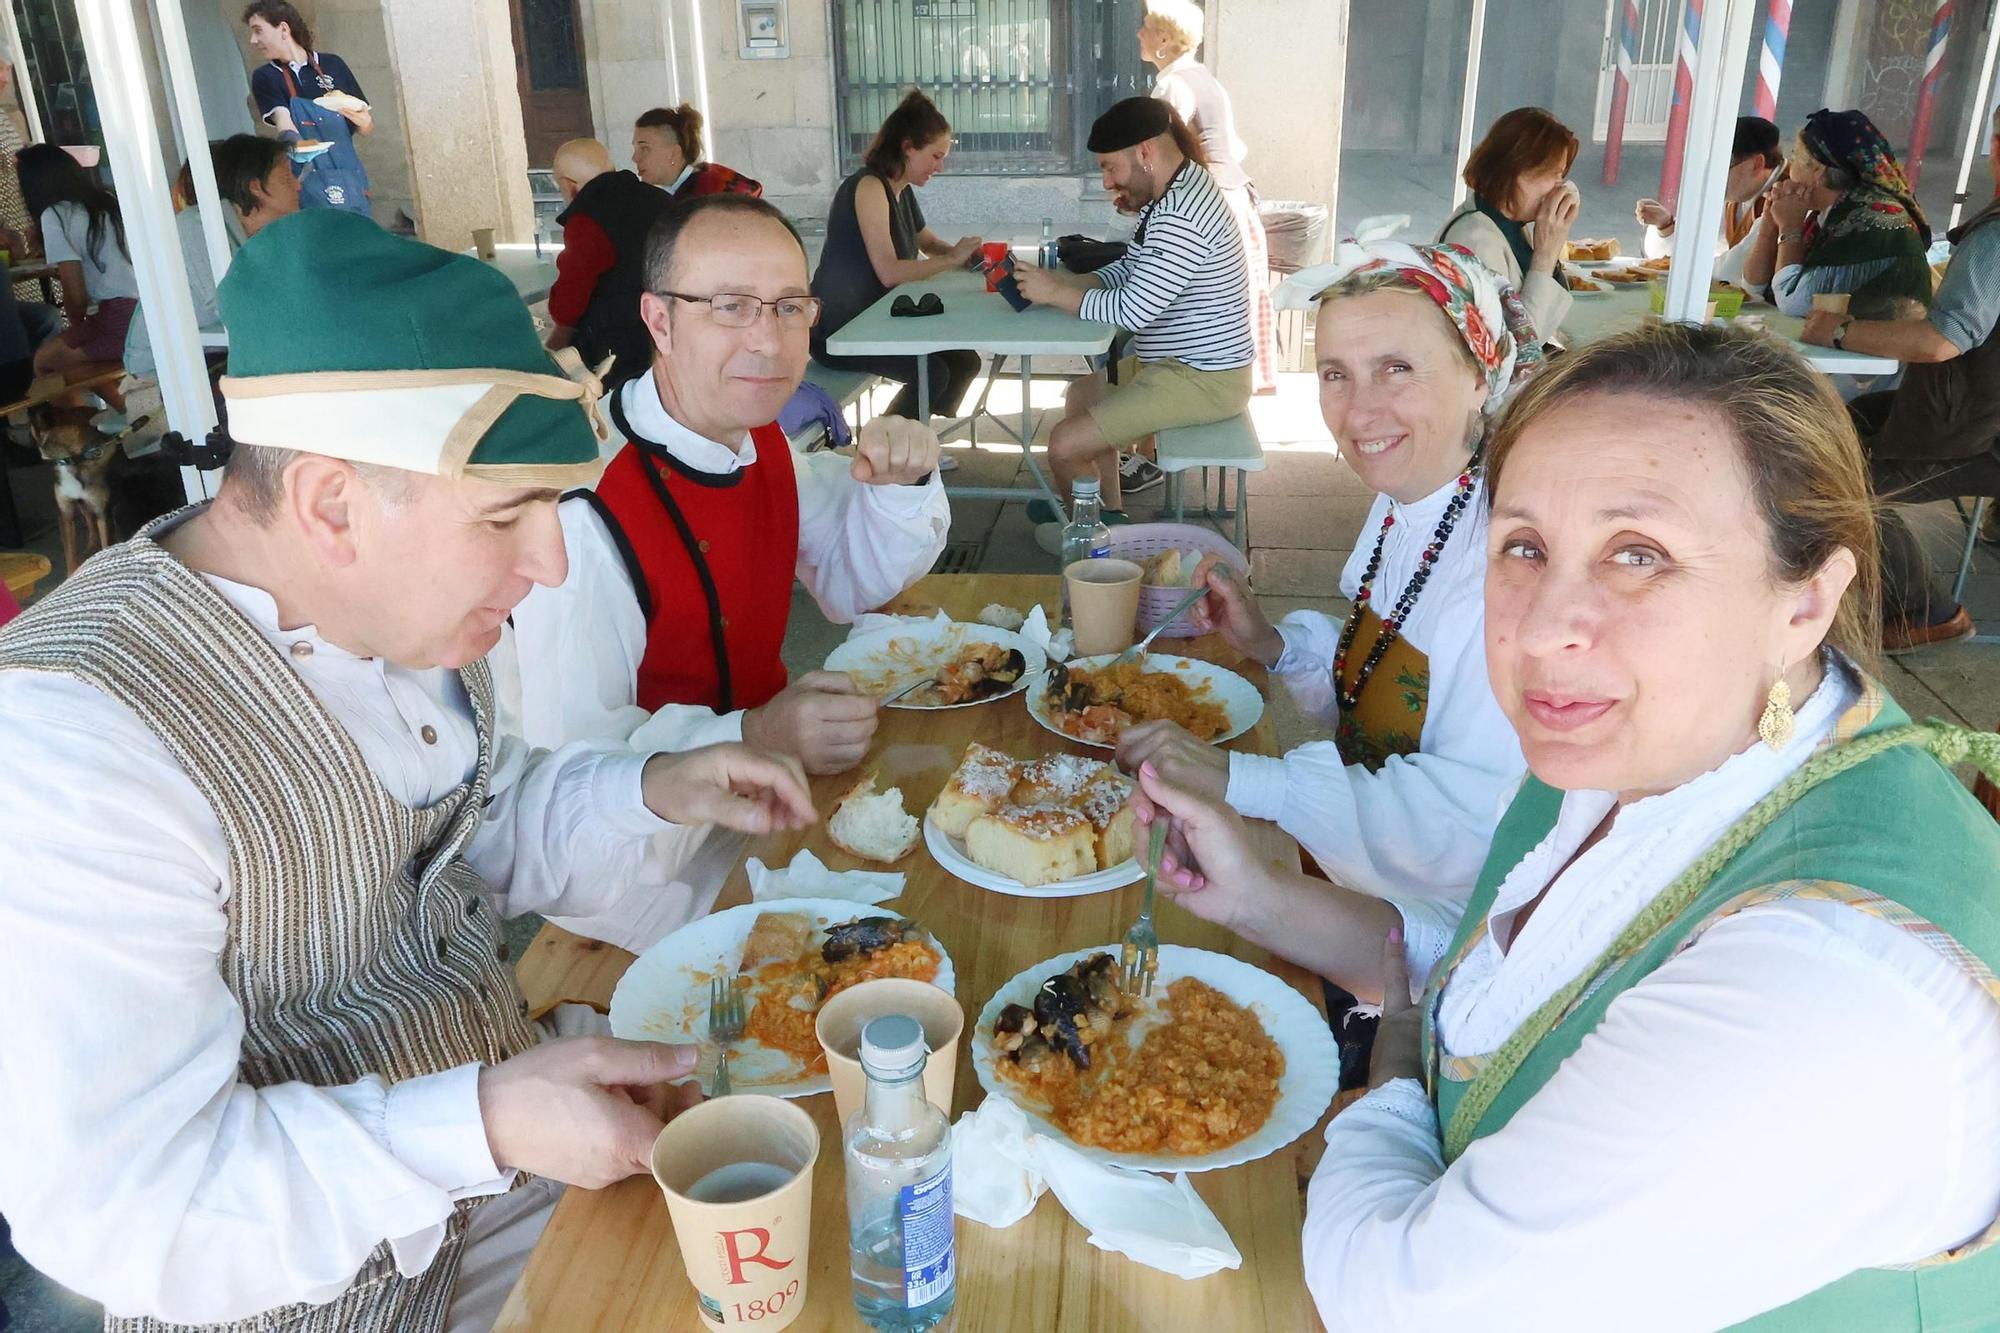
{"x": 876, "y": 239}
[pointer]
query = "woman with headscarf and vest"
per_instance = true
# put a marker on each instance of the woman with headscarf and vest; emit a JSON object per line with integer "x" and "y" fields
{"x": 1419, "y": 347}
{"x": 1519, "y": 178}
{"x": 1844, "y": 222}
{"x": 1717, "y": 1044}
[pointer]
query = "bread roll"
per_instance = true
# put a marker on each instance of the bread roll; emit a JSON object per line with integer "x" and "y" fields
{"x": 872, "y": 824}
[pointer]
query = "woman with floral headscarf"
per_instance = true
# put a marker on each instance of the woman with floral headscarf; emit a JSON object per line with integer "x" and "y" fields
{"x": 1844, "y": 221}
{"x": 1419, "y": 347}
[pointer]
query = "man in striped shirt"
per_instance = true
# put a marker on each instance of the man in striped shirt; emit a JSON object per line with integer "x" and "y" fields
{"x": 1182, "y": 289}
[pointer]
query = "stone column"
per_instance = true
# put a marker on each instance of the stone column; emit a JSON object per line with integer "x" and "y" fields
{"x": 452, "y": 65}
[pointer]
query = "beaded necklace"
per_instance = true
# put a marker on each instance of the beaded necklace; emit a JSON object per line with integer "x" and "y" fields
{"x": 1392, "y": 623}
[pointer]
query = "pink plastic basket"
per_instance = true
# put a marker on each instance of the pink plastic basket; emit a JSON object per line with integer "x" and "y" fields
{"x": 1143, "y": 541}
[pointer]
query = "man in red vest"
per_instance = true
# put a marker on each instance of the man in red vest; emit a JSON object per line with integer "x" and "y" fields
{"x": 683, "y": 560}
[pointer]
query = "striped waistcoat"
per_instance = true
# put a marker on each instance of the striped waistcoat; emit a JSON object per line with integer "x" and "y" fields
{"x": 359, "y": 941}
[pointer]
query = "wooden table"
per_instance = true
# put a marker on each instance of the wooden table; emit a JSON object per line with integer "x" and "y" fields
{"x": 608, "y": 1259}
{"x": 21, "y": 571}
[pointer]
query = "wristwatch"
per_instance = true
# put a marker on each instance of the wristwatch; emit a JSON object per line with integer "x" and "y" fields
{"x": 1839, "y": 339}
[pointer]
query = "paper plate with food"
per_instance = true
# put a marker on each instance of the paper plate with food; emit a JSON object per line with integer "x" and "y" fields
{"x": 1222, "y": 1064}
{"x": 950, "y": 663}
{"x": 789, "y": 955}
{"x": 340, "y": 101}
{"x": 305, "y": 150}
{"x": 1590, "y": 250}
{"x": 1055, "y": 827}
{"x": 1586, "y": 285}
{"x": 1089, "y": 700}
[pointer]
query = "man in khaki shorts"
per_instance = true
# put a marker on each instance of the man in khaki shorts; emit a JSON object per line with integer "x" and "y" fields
{"x": 1181, "y": 289}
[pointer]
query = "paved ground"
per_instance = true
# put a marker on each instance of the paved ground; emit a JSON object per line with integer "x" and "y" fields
{"x": 1306, "y": 511}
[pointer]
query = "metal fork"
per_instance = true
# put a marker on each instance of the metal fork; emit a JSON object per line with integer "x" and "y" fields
{"x": 725, "y": 1024}
{"x": 1139, "y": 958}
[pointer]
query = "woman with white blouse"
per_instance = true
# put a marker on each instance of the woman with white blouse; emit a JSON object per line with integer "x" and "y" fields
{"x": 1418, "y": 351}
{"x": 1718, "y": 1043}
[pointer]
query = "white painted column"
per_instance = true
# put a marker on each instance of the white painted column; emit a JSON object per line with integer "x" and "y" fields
{"x": 670, "y": 45}
{"x": 1718, "y": 87}
{"x": 111, "y": 44}
{"x": 1979, "y": 122}
{"x": 171, "y": 26}
{"x": 10, "y": 29}
{"x": 1468, "y": 99}
{"x": 699, "y": 44}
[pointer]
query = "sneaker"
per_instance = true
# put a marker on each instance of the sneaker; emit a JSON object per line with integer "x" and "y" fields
{"x": 947, "y": 463}
{"x": 1900, "y": 636}
{"x": 1048, "y": 536}
{"x": 1136, "y": 472}
{"x": 1040, "y": 510}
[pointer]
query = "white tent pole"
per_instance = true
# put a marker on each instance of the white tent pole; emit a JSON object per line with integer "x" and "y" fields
{"x": 672, "y": 47}
{"x": 700, "y": 45}
{"x": 1718, "y": 83}
{"x": 110, "y": 43}
{"x": 1976, "y": 119}
{"x": 10, "y": 29}
{"x": 171, "y": 25}
{"x": 1467, "y": 102}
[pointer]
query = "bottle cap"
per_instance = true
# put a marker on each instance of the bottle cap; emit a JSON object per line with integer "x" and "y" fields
{"x": 1083, "y": 486}
{"x": 893, "y": 1046}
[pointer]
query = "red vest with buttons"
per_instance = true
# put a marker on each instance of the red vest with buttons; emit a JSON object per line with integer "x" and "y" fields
{"x": 712, "y": 558}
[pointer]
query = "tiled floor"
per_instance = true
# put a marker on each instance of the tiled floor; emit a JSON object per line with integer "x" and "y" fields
{"x": 1306, "y": 511}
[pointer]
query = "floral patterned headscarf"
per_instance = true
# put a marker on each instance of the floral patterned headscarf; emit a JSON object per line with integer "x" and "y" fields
{"x": 1482, "y": 305}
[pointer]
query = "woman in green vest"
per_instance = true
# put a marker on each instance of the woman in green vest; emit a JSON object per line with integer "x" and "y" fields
{"x": 1718, "y": 1044}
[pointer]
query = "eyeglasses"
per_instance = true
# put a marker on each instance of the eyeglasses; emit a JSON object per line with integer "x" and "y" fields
{"x": 734, "y": 311}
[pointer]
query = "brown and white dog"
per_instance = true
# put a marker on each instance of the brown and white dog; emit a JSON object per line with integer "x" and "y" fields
{"x": 84, "y": 457}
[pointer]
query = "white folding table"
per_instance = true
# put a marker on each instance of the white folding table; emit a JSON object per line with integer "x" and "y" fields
{"x": 983, "y": 322}
{"x": 1594, "y": 315}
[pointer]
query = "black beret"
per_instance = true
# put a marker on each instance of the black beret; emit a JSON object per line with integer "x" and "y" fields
{"x": 1129, "y": 123}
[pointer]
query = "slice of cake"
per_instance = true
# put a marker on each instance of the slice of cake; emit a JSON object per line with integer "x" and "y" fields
{"x": 982, "y": 784}
{"x": 1056, "y": 779}
{"x": 1107, "y": 803}
{"x": 1033, "y": 844}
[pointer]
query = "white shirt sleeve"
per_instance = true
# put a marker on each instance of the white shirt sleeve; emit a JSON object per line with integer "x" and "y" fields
{"x": 136, "y": 1167}
{"x": 1416, "y": 829}
{"x": 860, "y": 545}
{"x": 576, "y": 650}
{"x": 1689, "y": 1129}
{"x": 1655, "y": 244}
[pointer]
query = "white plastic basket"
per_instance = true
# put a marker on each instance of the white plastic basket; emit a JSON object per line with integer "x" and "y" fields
{"x": 1143, "y": 541}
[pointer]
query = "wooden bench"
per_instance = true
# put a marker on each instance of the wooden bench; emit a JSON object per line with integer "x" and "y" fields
{"x": 22, "y": 572}
{"x": 97, "y": 378}
{"x": 1225, "y": 444}
{"x": 845, "y": 387}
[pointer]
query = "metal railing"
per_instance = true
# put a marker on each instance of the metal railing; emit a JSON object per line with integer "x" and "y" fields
{"x": 1019, "y": 80}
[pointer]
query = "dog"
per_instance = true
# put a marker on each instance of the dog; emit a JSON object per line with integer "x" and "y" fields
{"x": 84, "y": 457}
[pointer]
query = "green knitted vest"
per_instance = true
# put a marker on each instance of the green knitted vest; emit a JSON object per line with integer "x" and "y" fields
{"x": 1876, "y": 820}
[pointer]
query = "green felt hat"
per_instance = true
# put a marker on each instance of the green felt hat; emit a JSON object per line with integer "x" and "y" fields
{"x": 349, "y": 341}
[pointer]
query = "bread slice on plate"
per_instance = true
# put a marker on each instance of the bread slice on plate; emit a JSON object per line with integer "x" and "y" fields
{"x": 777, "y": 937}
{"x": 1033, "y": 844}
{"x": 1107, "y": 803}
{"x": 982, "y": 784}
{"x": 872, "y": 824}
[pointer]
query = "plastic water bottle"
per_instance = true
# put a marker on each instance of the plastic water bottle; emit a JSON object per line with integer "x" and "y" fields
{"x": 899, "y": 1213}
{"x": 1086, "y": 537}
{"x": 1046, "y": 256}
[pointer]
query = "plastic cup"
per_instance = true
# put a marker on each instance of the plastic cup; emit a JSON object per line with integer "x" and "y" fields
{"x": 737, "y": 1173}
{"x": 839, "y": 1027}
{"x": 1834, "y": 301}
{"x": 482, "y": 242}
{"x": 1708, "y": 312}
{"x": 993, "y": 254}
{"x": 1104, "y": 604}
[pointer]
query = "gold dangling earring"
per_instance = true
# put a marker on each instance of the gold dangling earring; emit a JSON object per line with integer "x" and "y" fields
{"x": 1778, "y": 721}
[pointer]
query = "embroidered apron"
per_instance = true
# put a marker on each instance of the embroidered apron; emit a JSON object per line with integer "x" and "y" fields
{"x": 1388, "y": 718}
{"x": 336, "y": 178}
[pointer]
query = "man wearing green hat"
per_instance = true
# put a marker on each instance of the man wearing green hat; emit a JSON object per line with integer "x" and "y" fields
{"x": 278, "y": 1068}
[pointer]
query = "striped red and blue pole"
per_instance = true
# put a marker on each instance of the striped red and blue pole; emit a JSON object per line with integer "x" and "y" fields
{"x": 1927, "y": 90}
{"x": 1677, "y": 116}
{"x": 1771, "y": 65}
{"x": 1621, "y": 89}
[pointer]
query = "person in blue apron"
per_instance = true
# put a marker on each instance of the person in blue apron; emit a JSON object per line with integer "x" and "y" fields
{"x": 288, "y": 89}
